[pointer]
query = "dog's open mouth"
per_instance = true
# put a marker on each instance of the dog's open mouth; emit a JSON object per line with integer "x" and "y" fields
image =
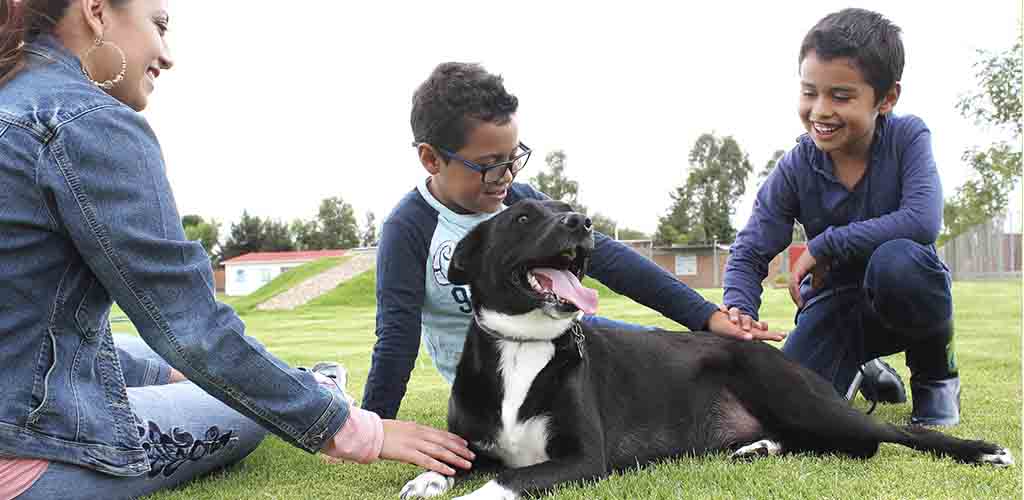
{"x": 556, "y": 280}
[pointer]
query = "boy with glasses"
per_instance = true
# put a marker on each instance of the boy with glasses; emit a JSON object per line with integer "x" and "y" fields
{"x": 467, "y": 139}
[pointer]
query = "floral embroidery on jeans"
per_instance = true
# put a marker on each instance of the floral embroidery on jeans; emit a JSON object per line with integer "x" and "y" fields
{"x": 168, "y": 452}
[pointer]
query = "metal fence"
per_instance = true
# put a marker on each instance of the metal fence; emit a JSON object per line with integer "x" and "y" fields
{"x": 987, "y": 251}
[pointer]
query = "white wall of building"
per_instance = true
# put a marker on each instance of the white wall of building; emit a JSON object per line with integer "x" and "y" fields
{"x": 244, "y": 278}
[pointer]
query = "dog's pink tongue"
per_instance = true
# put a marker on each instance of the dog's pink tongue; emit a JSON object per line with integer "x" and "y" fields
{"x": 567, "y": 286}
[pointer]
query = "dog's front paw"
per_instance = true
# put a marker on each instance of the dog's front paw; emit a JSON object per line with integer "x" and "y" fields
{"x": 491, "y": 491}
{"x": 427, "y": 485}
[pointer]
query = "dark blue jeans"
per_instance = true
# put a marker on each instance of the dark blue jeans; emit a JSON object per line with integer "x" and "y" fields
{"x": 904, "y": 304}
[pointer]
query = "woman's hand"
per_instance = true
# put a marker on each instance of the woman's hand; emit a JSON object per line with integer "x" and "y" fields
{"x": 424, "y": 446}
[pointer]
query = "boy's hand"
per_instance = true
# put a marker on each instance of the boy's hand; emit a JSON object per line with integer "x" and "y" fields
{"x": 806, "y": 264}
{"x": 734, "y": 324}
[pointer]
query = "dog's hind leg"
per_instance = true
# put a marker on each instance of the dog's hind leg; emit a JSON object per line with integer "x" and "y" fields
{"x": 762, "y": 448}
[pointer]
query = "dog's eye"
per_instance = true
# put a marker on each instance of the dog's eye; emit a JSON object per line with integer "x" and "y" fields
{"x": 523, "y": 219}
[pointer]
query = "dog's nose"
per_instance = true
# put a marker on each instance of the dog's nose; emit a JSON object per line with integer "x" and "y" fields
{"x": 577, "y": 221}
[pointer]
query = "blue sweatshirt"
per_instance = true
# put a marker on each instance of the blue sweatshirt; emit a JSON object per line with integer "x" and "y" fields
{"x": 899, "y": 197}
{"x": 415, "y": 299}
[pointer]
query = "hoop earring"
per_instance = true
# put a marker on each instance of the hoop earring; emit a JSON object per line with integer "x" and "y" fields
{"x": 107, "y": 84}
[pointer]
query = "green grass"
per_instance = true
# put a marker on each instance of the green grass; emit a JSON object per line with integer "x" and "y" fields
{"x": 988, "y": 320}
{"x": 283, "y": 282}
{"x": 357, "y": 292}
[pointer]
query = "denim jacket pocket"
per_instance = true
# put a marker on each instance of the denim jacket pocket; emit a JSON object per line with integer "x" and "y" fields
{"x": 46, "y": 362}
{"x": 91, "y": 314}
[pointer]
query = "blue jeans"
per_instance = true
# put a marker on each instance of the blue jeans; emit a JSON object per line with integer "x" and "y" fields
{"x": 185, "y": 431}
{"x": 904, "y": 304}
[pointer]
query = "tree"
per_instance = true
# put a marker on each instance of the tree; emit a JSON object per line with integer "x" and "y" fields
{"x": 252, "y": 234}
{"x": 626, "y": 233}
{"x": 276, "y": 237}
{"x": 702, "y": 207}
{"x": 997, "y": 169}
{"x": 191, "y": 220}
{"x": 986, "y": 194}
{"x": 603, "y": 224}
{"x": 555, "y": 184}
{"x": 336, "y": 225}
{"x": 304, "y": 234}
{"x": 997, "y": 101}
{"x": 369, "y": 236}
{"x": 768, "y": 167}
{"x": 246, "y": 236}
{"x": 206, "y": 233}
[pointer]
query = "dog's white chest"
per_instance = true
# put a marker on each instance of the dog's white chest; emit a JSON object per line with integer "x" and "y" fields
{"x": 524, "y": 443}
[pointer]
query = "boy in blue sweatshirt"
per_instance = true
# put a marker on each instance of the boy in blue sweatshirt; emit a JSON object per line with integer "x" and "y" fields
{"x": 467, "y": 139}
{"x": 865, "y": 187}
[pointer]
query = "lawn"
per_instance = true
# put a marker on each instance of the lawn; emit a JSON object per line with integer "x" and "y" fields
{"x": 988, "y": 321}
{"x": 285, "y": 281}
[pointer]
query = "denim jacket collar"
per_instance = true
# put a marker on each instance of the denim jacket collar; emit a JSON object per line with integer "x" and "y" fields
{"x": 49, "y": 47}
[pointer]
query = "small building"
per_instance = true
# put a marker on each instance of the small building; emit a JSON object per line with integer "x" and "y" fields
{"x": 247, "y": 273}
{"x": 700, "y": 265}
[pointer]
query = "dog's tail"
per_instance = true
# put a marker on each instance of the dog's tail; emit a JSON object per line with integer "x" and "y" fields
{"x": 963, "y": 450}
{"x": 804, "y": 412}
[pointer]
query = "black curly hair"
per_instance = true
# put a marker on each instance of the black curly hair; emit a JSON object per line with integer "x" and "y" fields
{"x": 870, "y": 40}
{"x": 453, "y": 98}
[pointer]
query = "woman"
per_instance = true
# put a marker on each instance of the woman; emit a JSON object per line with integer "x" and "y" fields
{"x": 87, "y": 217}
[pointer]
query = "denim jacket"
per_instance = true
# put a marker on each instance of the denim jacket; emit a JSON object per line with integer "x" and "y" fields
{"x": 86, "y": 218}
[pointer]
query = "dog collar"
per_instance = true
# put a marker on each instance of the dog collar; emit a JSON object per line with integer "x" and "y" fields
{"x": 575, "y": 328}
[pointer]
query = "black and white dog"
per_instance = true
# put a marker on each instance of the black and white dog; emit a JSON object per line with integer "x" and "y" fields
{"x": 544, "y": 401}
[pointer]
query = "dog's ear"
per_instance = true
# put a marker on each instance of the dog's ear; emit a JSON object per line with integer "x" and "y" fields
{"x": 465, "y": 263}
{"x": 558, "y": 206}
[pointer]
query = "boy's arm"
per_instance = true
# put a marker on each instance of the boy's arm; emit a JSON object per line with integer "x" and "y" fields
{"x": 627, "y": 272}
{"x": 768, "y": 231}
{"x": 401, "y": 270}
{"x": 919, "y": 217}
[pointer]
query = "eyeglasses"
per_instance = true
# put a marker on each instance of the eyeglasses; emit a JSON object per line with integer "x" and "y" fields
{"x": 494, "y": 173}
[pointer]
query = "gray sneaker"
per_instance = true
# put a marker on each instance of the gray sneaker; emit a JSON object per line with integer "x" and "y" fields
{"x": 337, "y": 373}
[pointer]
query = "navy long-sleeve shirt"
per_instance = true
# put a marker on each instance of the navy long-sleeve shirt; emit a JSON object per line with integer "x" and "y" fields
{"x": 899, "y": 196}
{"x": 415, "y": 299}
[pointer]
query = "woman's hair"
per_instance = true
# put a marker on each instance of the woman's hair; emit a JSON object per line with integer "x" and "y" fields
{"x": 23, "y": 20}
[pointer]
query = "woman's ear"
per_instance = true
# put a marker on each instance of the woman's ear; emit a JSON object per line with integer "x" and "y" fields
{"x": 94, "y": 15}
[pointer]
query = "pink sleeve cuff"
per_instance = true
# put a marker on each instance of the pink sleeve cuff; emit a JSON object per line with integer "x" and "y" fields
{"x": 361, "y": 438}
